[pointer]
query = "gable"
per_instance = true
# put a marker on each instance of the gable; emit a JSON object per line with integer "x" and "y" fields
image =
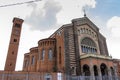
{"x": 83, "y": 21}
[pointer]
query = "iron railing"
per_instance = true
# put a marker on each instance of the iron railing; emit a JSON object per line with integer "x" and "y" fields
{"x": 94, "y": 78}
{"x": 54, "y": 77}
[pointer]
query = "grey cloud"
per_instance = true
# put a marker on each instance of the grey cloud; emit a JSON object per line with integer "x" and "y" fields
{"x": 44, "y": 19}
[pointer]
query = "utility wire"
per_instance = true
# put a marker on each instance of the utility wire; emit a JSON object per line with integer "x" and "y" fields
{"x": 19, "y": 3}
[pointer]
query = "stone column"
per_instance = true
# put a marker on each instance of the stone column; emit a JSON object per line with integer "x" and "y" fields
{"x": 115, "y": 69}
{"x": 82, "y": 74}
{"x": 109, "y": 74}
{"x": 99, "y": 73}
{"x": 91, "y": 70}
{"x": 92, "y": 73}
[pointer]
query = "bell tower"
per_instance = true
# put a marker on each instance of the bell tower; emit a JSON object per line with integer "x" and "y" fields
{"x": 13, "y": 45}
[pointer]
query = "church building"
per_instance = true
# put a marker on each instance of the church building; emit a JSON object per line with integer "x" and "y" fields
{"x": 77, "y": 51}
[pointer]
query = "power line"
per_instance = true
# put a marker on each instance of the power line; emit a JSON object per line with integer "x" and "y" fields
{"x": 19, "y": 3}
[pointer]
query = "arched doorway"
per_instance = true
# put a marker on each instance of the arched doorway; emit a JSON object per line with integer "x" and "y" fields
{"x": 104, "y": 71}
{"x": 112, "y": 73}
{"x": 95, "y": 72}
{"x": 86, "y": 70}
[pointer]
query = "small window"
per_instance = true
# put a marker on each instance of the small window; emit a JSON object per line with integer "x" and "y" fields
{"x": 15, "y": 40}
{"x": 17, "y": 25}
{"x": 10, "y": 64}
{"x": 59, "y": 33}
{"x": 13, "y": 53}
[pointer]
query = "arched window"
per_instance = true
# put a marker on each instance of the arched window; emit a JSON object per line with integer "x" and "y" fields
{"x": 78, "y": 32}
{"x": 87, "y": 31}
{"x": 33, "y": 60}
{"x": 50, "y": 54}
{"x": 59, "y": 54}
{"x": 81, "y": 30}
{"x": 88, "y": 46}
{"x": 39, "y": 56}
{"x": 92, "y": 34}
{"x": 43, "y": 54}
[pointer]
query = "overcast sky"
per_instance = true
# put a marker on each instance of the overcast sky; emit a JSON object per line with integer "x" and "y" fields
{"x": 42, "y": 18}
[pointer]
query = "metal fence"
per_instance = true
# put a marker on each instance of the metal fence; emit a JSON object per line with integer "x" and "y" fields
{"x": 54, "y": 77}
{"x": 28, "y": 77}
{"x": 94, "y": 78}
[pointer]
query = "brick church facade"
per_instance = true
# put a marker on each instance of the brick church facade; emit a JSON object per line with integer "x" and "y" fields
{"x": 75, "y": 49}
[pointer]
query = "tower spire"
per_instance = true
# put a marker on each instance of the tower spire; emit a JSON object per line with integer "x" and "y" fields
{"x": 84, "y": 12}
